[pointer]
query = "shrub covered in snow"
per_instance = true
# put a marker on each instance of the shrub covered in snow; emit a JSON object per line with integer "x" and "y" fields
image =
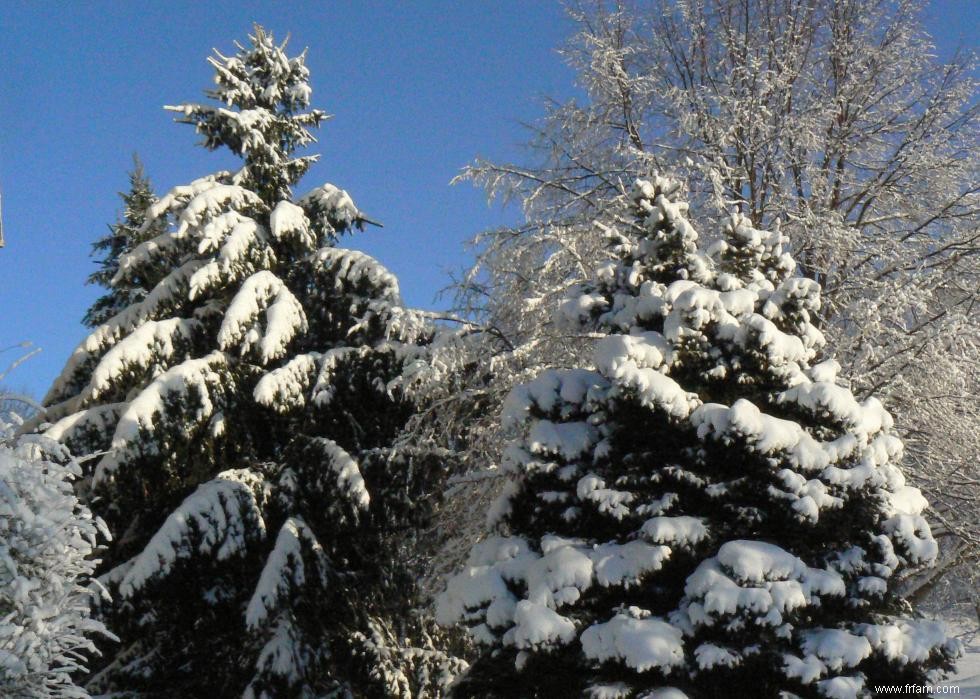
{"x": 47, "y": 542}
{"x": 708, "y": 512}
{"x": 249, "y": 412}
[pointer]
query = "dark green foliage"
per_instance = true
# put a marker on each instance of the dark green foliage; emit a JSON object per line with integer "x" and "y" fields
{"x": 124, "y": 235}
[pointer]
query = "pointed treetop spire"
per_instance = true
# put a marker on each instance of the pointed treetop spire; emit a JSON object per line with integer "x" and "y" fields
{"x": 264, "y": 94}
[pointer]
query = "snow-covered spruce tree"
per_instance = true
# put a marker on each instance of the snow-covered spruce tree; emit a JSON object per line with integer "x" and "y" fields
{"x": 47, "y": 542}
{"x": 261, "y": 499}
{"x": 835, "y": 118}
{"x": 124, "y": 235}
{"x": 708, "y": 512}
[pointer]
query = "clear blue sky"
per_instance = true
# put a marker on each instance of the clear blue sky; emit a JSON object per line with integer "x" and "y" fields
{"x": 417, "y": 90}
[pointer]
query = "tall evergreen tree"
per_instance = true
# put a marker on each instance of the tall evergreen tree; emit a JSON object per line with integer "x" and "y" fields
{"x": 708, "y": 512}
{"x": 250, "y": 411}
{"x": 124, "y": 235}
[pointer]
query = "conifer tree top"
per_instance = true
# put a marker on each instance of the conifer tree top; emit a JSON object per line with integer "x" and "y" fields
{"x": 124, "y": 235}
{"x": 265, "y": 117}
{"x": 213, "y": 234}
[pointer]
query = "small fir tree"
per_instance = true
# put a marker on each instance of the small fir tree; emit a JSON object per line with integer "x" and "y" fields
{"x": 124, "y": 235}
{"x": 249, "y": 409}
{"x": 708, "y": 512}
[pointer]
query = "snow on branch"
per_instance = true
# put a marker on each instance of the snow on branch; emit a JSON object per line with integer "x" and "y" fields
{"x": 176, "y": 200}
{"x": 212, "y": 201}
{"x": 285, "y": 571}
{"x": 346, "y": 470}
{"x": 285, "y": 388}
{"x": 219, "y": 519}
{"x": 288, "y": 222}
{"x": 284, "y": 316}
{"x": 154, "y": 343}
{"x": 554, "y": 578}
{"x": 353, "y": 270}
{"x": 244, "y": 248}
{"x": 203, "y": 378}
{"x": 642, "y": 643}
{"x": 331, "y": 210}
{"x": 165, "y": 297}
{"x": 284, "y": 659}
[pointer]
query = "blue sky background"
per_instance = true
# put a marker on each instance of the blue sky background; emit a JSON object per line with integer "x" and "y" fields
{"x": 417, "y": 91}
